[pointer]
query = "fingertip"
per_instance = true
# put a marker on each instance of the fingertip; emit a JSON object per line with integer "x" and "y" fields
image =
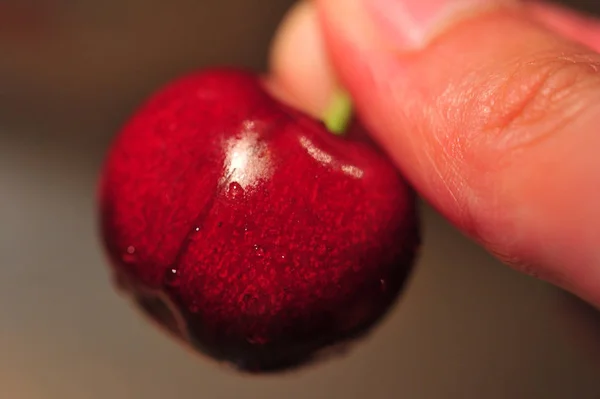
{"x": 492, "y": 118}
{"x": 300, "y": 72}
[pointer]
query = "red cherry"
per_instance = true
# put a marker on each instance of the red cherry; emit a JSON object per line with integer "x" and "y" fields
{"x": 248, "y": 229}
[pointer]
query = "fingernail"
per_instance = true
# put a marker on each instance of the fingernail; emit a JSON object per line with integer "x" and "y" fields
{"x": 411, "y": 24}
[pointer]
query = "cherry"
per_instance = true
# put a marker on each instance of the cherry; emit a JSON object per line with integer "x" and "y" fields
{"x": 247, "y": 229}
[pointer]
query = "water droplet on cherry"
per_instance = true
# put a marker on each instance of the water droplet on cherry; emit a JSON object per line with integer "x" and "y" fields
{"x": 129, "y": 255}
{"x": 383, "y": 285}
{"x": 235, "y": 191}
{"x": 259, "y": 251}
{"x": 256, "y": 339}
{"x": 172, "y": 277}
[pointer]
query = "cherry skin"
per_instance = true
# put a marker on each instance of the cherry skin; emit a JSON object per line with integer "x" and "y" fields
{"x": 247, "y": 229}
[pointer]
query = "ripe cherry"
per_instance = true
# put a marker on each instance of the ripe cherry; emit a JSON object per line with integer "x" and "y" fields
{"x": 247, "y": 229}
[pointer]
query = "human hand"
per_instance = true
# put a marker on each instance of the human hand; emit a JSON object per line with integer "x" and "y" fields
{"x": 490, "y": 108}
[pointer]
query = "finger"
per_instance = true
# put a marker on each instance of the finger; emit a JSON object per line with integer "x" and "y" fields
{"x": 574, "y": 25}
{"x": 300, "y": 71}
{"x": 492, "y": 117}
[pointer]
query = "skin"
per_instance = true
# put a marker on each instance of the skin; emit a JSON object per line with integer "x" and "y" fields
{"x": 524, "y": 181}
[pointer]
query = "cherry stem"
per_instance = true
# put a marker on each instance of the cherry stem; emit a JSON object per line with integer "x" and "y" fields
{"x": 339, "y": 114}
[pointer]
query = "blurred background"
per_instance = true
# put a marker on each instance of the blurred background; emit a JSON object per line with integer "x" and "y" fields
{"x": 70, "y": 73}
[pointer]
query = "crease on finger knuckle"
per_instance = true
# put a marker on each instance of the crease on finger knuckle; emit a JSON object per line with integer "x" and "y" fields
{"x": 539, "y": 97}
{"x": 503, "y": 115}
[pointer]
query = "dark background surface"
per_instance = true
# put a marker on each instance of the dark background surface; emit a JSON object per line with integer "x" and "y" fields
{"x": 467, "y": 327}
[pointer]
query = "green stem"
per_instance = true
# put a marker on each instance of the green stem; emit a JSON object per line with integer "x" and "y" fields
{"x": 339, "y": 114}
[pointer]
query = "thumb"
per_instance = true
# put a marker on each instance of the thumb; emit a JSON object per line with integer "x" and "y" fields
{"x": 492, "y": 117}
